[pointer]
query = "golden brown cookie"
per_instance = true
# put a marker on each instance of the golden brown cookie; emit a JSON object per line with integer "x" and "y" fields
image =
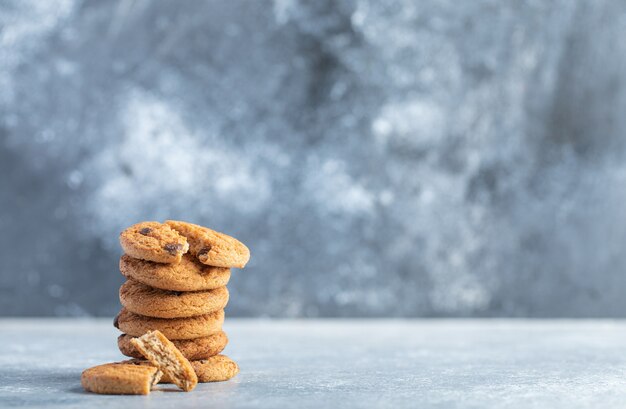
{"x": 211, "y": 247}
{"x": 192, "y": 349}
{"x": 214, "y": 369}
{"x": 160, "y": 351}
{"x": 120, "y": 379}
{"x": 188, "y": 275}
{"x": 174, "y": 328}
{"x": 153, "y": 241}
{"x": 152, "y": 302}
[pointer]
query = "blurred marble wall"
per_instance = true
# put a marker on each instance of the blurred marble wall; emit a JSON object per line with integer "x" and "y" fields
{"x": 380, "y": 158}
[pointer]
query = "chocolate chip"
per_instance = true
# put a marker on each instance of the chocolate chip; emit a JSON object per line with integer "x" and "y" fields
{"x": 204, "y": 251}
{"x": 173, "y": 248}
{"x": 116, "y": 322}
{"x": 145, "y": 231}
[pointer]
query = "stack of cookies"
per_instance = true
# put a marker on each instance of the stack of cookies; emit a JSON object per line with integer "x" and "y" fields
{"x": 176, "y": 283}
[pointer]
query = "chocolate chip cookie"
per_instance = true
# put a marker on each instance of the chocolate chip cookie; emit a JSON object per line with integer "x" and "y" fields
{"x": 153, "y": 302}
{"x": 211, "y": 247}
{"x": 188, "y": 275}
{"x": 174, "y": 328}
{"x": 153, "y": 241}
{"x": 192, "y": 349}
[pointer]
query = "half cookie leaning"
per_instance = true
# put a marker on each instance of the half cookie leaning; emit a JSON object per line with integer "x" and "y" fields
{"x": 152, "y": 302}
{"x": 175, "y": 328}
{"x": 211, "y": 247}
{"x": 188, "y": 275}
{"x": 163, "y": 354}
{"x": 192, "y": 349}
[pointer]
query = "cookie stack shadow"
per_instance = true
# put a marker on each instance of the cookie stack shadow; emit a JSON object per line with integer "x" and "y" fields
{"x": 177, "y": 274}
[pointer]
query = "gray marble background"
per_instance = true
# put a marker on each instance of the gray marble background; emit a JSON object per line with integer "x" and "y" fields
{"x": 380, "y": 158}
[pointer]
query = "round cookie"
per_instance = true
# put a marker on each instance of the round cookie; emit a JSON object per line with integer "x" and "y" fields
{"x": 152, "y": 302}
{"x": 174, "y": 328}
{"x": 217, "y": 368}
{"x": 153, "y": 241}
{"x": 211, "y": 247}
{"x": 120, "y": 379}
{"x": 188, "y": 275}
{"x": 192, "y": 349}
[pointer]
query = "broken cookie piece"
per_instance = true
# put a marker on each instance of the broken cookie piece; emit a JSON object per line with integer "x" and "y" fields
{"x": 212, "y": 247}
{"x": 163, "y": 354}
{"x": 120, "y": 379}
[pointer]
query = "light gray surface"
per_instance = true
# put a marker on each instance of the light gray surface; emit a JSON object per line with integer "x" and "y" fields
{"x": 380, "y": 158}
{"x": 318, "y": 364}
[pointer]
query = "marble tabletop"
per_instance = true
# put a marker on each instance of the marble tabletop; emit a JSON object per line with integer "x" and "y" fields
{"x": 341, "y": 364}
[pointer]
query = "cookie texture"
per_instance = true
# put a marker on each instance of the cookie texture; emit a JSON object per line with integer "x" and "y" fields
{"x": 211, "y": 247}
{"x": 214, "y": 369}
{"x": 192, "y": 349}
{"x": 153, "y": 241}
{"x": 153, "y": 302}
{"x": 120, "y": 379}
{"x": 217, "y": 368}
{"x": 162, "y": 353}
{"x": 173, "y": 328}
{"x": 188, "y": 275}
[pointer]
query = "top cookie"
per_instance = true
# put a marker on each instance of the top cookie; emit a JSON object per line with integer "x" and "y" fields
{"x": 153, "y": 241}
{"x": 210, "y": 247}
